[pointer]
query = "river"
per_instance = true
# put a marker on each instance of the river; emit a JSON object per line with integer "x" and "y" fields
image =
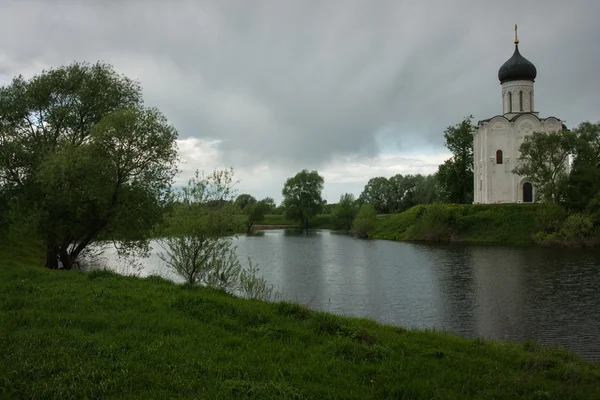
{"x": 499, "y": 292}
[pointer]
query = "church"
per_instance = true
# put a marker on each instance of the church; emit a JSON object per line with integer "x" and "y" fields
{"x": 496, "y": 141}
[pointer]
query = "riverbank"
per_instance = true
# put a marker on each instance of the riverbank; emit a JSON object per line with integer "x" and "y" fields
{"x": 518, "y": 224}
{"x": 75, "y": 335}
{"x": 469, "y": 223}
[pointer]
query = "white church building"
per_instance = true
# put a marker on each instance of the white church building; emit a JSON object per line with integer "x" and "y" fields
{"x": 497, "y": 139}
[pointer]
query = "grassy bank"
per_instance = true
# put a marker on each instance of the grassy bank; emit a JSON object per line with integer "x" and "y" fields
{"x": 474, "y": 223}
{"x": 320, "y": 221}
{"x": 98, "y": 335}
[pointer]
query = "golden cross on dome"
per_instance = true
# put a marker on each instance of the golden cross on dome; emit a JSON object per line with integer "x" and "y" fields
{"x": 516, "y": 38}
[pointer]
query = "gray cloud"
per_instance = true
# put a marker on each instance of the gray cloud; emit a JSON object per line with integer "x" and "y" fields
{"x": 298, "y": 83}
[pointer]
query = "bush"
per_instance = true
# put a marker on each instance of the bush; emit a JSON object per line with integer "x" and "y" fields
{"x": 434, "y": 224}
{"x": 578, "y": 230}
{"x": 365, "y": 221}
{"x": 252, "y": 286}
{"x": 549, "y": 217}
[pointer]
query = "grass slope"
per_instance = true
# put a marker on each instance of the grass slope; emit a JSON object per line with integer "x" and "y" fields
{"x": 72, "y": 335}
{"x": 320, "y": 221}
{"x": 474, "y": 223}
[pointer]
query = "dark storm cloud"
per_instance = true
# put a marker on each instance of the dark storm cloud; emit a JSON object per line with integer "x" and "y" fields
{"x": 299, "y": 82}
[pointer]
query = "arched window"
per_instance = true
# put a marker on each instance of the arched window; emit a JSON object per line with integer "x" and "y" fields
{"x": 521, "y": 100}
{"x": 499, "y": 157}
{"x": 509, "y": 101}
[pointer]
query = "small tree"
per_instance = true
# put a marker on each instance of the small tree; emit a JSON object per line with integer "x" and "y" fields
{"x": 302, "y": 196}
{"x": 203, "y": 251}
{"x": 255, "y": 212}
{"x": 365, "y": 221}
{"x": 344, "y": 212}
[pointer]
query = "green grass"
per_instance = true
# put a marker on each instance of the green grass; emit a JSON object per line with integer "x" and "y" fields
{"x": 473, "y": 223}
{"x": 320, "y": 221}
{"x": 71, "y": 335}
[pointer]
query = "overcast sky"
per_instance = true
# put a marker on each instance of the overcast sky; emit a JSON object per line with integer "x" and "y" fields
{"x": 353, "y": 89}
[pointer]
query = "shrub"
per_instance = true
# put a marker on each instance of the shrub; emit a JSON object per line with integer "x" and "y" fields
{"x": 578, "y": 230}
{"x": 434, "y": 224}
{"x": 253, "y": 286}
{"x": 365, "y": 221}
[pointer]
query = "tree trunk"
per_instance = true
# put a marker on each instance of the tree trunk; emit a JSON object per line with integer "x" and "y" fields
{"x": 65, "y": 259}
{"x": 51, "y": 256}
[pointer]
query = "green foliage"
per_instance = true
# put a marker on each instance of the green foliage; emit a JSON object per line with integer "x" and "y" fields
{"x": 455, "y": 175}
{"x": 319, "y": 221}
{"x": 82, "y": 159}
{"x": 425, "y": 191}
{"x": 549, "y": 216}
{"x": 252, "y": 286}
{"x": 244, "y": 200}
{"x": 365, "y": 221}
{"x": 399, "y": 193}
{"x": 302, "y": 196}
{"x": 344, "y": 212}
{"x": 544, "y": 161}
{"x": 474, "y": 223}
{"x": 432, "y": 225}
{"x": 577, "y": 230}
{"x": 67, "y": 336}
{"x": 270, "y": 205}
{"x": 584, "y": 179}
{"x": 255, "y": 212}
{"x": 377, "y": 193}
{"x": 202, "y": 251}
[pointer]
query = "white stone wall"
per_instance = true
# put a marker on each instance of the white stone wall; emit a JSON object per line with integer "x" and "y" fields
{"x": 493, "y": 182}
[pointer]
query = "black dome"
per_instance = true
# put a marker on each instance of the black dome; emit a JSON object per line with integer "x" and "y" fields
{"x": 517, "y": 68}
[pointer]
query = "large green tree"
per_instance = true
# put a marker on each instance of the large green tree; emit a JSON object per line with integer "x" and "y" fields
{"x": 544, "y": 160}
{"x": 455, "y": 175}
{"x": 83, "y": 159}
{"x": 377, "y": 193}
{"x": 244, "y": 200}
{"x": 302, "y": 196}
{"x": 584, "y": 180}
{"x": 426, "y": 190}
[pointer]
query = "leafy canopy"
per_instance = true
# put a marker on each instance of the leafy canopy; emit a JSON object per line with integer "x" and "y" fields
{"x": 345, "y": 211}
{"x": 544, "y": 161}
{"x": 455, "y": 175}
{"x": 83, "y": 159}
{"x": 302, "y": 196}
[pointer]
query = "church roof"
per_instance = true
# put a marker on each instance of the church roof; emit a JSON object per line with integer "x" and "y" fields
{"x": 519, "y": 115}
{"x": 517, "y": 68}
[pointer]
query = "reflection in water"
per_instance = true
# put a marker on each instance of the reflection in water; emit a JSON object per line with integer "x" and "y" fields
{"x": 508, "y": 293}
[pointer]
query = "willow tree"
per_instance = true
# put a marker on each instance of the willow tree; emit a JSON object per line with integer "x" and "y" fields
{"x": 302, "y": 196}
{"x": 83, "y": 159}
